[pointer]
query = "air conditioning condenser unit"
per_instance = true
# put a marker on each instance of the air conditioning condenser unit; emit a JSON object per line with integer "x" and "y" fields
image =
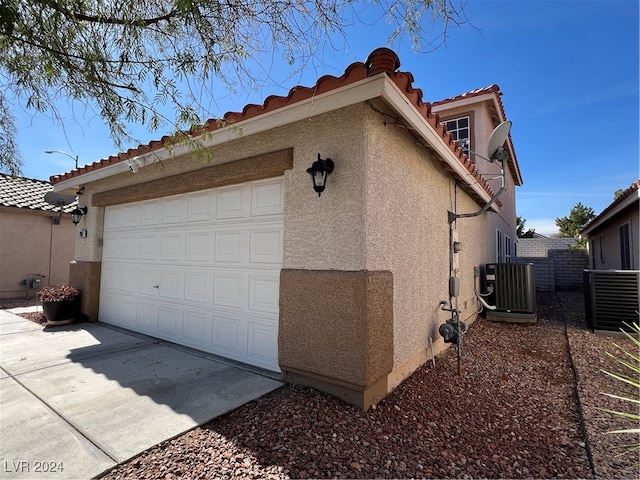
{"x": 513, "y": 292}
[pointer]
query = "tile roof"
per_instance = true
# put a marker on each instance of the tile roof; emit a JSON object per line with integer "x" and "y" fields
{"x": 633, "y": 188}
{"x": 28, "y": 193}
{"x": 381, "y": 60}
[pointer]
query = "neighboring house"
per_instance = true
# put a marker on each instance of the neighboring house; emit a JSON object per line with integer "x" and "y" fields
{"x": 240, "y": 257}
{"x": 34, "y": 249}
{"x": 612, "y": 236}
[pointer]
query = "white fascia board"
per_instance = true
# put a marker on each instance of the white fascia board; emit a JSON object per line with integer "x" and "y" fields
{"x": 419, "y": 124}
{"x": 618, "y": 208}
{"x": 463, "y": 102}
{"x": 356, "y": 92}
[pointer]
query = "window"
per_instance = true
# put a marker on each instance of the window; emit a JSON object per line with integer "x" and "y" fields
{"x": 602, "y": 248}
{"x": 459, "y": 130}
{"x": 625, "y": 247}
{"x": 499, "y": 247}
{"x": 507, "y": 249}
{"x": 592, "y": 251}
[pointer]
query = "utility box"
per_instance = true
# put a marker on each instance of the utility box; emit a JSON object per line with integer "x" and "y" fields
{"x": 513, "y": 292}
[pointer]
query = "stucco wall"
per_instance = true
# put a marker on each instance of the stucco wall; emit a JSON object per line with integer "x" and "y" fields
{"x": 610, "y": 233}
{"x": 406, "y": 232}
{"x": 25, "y": 240}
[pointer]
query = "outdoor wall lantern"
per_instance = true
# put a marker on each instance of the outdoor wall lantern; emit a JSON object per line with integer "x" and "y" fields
{"x": 77, "y": 214}
{"x": 319, "y": 171}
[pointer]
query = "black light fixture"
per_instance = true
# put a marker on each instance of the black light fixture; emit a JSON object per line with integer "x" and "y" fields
{"x": 319, "y": 171}
{"x": 77, "y": 214}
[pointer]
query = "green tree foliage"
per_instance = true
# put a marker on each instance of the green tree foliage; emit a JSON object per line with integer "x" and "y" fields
{"x": 578, "y": 218}
{"x": 617, "y": 193}
{"x": 128, "y": 61}
{"x": 520, "y": 229}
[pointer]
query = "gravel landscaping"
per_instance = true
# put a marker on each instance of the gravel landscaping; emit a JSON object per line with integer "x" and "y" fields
{"x": 525, "y": 406}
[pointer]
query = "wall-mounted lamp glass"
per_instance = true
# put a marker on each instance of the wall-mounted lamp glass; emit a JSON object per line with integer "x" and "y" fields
{"x": 319, "y": 171}
{"x": 77, "y": 214}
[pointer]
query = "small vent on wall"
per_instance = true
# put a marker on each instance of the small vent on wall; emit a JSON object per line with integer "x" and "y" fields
{"x": 611, "y": 298}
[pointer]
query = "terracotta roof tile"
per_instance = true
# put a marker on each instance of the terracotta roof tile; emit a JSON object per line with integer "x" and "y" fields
{"x": 633, "y": 188}
{"x": 28, "y": 193}
{"x": 381, "y": 60}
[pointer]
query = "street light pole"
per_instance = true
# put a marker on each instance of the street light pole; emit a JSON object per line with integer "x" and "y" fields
{"x": 64, "y": 153}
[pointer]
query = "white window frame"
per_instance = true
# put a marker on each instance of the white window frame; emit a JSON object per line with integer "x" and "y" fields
{"x": 456, "y": 130}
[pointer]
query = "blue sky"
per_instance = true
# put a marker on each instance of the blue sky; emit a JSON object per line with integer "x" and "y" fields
{"x": 568, "y": 70}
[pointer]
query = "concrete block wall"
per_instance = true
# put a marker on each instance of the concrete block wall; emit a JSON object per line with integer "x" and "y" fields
{"x": 569, "y": 268}
{"x": 561, "y": 270}
{"x": 539, "y": 247}
{"x": 543, "y": 270}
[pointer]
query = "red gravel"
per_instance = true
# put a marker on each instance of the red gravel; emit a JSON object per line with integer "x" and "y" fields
{"x": 514, "y": 413}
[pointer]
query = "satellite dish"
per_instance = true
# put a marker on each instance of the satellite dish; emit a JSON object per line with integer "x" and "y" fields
{"x": 496, "y": 141}
{"x": 59, "y": 199}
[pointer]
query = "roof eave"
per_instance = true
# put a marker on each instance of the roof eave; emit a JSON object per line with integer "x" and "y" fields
{"x": 349, "y": 94}
{"x": 630, "y": 200}
{"x": 376, "y": 86}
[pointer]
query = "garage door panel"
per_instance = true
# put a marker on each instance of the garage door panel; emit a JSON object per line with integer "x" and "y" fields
{"x": 264, "y": 293}
{"x": 267, "y": 198}
{"x": 148, "y": 281}
{"x": 266, "y": 245}
{"x": 232, "y": 203}
{"x": 147, "y": 318}
{"x": 169, "y": 322}
{"x": 231, "y": 245}
{"x": 229, "y": 336}
{"x": 200, "y": 207}
{"x": 198, "y": 247}
{"x": 262, "y": 343}
{"x": 173, "y": 210}
{"x": 198, "y": 329}
{"x": 149, "y": 246}
{"x": 151, "y": 214}
{"x": 113, "y": 218}
{"x": 198, "y": 286}
{"x": 171, "y": 284}
{"x": 171, "y": 247}
{"x": 127, "y": 311}
{"x": 109, "y": 277}
{"x": 127, "y": 279}
{"x": 199, "y": 269}
{"x": 131, "y": 216}
{"x": 228, "y": 289}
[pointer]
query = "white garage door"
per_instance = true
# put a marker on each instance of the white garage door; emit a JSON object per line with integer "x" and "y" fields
{"x": 199, "y": 269}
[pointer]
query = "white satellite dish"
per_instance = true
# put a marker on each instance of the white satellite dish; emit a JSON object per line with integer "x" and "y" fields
{"x": 496, "y": 141}
{"x": 59, "y": 199}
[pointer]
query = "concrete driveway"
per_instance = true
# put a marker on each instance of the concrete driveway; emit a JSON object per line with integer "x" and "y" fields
{"x": 77, "y": 400}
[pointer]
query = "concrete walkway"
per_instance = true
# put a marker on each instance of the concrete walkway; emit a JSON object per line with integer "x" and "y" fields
{"x": 79, "y": 399}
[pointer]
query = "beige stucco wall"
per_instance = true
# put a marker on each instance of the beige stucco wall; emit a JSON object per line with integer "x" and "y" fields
{"x": 407, "y": 232}
{"x": 610, "y": 233}
{"x": 25, "y": 240}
